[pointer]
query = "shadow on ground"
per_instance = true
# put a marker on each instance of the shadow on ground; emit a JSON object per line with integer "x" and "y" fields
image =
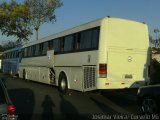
{"x": 47, "y": 106}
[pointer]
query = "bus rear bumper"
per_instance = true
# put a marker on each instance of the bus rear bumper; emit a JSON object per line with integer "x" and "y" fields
{"x": 106, "y": 84}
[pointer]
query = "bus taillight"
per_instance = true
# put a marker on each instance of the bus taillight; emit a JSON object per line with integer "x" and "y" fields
{"x": 102, "y": 70}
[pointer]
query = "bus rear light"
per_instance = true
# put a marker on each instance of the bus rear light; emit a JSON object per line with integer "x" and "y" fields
{"x": 102, "y": 70}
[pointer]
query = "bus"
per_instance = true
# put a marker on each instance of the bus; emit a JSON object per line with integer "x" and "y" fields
{"x": 108, "y": 53}
{"x": 10, "y": 61}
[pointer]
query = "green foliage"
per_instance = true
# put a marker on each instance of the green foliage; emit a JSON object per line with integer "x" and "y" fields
{"x": 19, "y": 19}
{"x": 10, "y": 44}
{"x": 41, "y": 11}
{"x": 154, "y": 70}
{"x": 1, "y": 48}
{"x": 14, "y": 20}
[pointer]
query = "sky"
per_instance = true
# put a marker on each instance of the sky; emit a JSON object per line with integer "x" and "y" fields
{"x": 77, "y": 12}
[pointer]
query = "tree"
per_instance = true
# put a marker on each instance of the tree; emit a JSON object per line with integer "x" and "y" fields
{"x": 1, "y": 48}
{"x": 10, "y": 44}
{"x": 151, "y": 39}
{"x": 157, "y": 39}
{"x": 14, "y": 20}
{"x": 41, "y": 11}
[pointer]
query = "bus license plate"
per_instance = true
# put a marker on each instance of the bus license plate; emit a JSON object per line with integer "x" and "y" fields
{"x": 128, "y": 76}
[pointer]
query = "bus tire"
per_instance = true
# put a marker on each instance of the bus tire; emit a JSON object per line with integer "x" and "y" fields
{"x": 62, "y": 83}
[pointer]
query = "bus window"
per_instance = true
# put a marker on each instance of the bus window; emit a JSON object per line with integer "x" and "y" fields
{"x": 17, "y": 54}
{"x": 37, "y": 50}
{"x": 8, "y": 55}
{"x": 50, "y": 45}
{"x": 85, "y": 39}
{"x": 22, "y": 52}
{"x": 45, "y": 47}
{"x": 28, "y": 51}
{"x": 41, "y": 49}
{"x": 95, "y": 38}
{"x": 11, "y": 53}
{"x": 25, "y": 52}
{"x": 34, "y": 50}
{"x": 62, "y": 45}
{"x": 77, "y": 41}
{"x": 56, "y": 45}
{"x": 31, "y": 50}
{"x": 68, "y": 43}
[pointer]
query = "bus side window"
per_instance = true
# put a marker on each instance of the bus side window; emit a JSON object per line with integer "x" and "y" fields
{"x": 28, "y": 51}
{"x": 77, "y": 41}
{"x": 17, "y": 54}
{"x": 85, "y": 39}
{"x": 45, "y": 48}
{"x": 37, "y": 50}
{"x": 95, "y": 37}
{"x": 11, "y": 54}
{"x": 62, "y": 45}
{"x": 34, "y": 50}
{"x": 22, "y": 53}
{"x": 56, "y": 45}
{"x": 68, "y": 43}
{"x": 50, "y": 45}
{"x": 40, "y": 49}
{"x": 8, "y": 55}
{"x": 25, "y": 52}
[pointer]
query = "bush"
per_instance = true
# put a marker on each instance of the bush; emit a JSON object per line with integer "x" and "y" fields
{"x": 155, "y": 72}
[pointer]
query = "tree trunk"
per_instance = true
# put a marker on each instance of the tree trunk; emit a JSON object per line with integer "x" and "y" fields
{"x": 36, "y": 33}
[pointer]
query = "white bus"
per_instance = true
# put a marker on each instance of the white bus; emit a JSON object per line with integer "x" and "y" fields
{"x": 108, "y": 53}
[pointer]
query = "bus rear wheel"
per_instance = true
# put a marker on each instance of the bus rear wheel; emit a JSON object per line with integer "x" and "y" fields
{"x": 63, "y": 85}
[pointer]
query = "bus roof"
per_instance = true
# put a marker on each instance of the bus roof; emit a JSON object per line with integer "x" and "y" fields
{"x": 88, "y": 25}
{"x": 13, "y": 49}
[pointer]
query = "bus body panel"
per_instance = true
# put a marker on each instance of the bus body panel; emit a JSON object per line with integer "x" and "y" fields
{"x": 38, "y": 74}
{"x": 75, "y": 70}
{"x": 74, "y": 77}
{"x": 32, "y": 62}
{"x": 127, "y": 34}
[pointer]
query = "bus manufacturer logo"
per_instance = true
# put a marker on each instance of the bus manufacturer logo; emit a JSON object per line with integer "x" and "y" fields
{"x": 129, "y": 59}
